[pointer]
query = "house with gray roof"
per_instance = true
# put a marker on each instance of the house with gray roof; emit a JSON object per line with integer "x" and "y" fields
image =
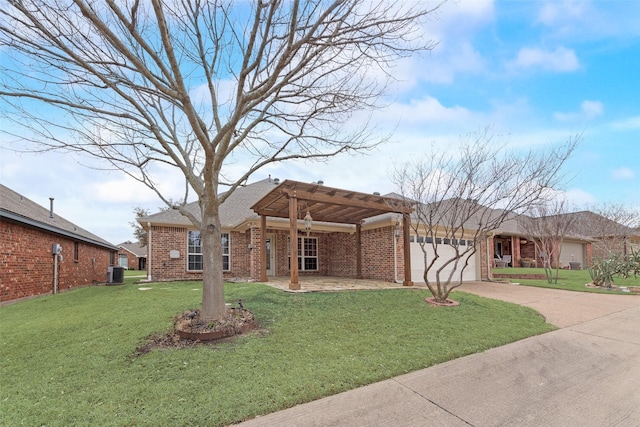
{"x": 132, "y": 256}
{"x": 43, "y": 253}
{"x": 351, "y": 234}
{"x": 348, "y": 235}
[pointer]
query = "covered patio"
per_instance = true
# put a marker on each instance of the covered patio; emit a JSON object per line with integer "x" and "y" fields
{"x": 306, "y": 202}
{"x": 335, "y": 284}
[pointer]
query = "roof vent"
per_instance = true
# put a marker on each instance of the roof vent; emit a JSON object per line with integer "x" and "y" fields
{"x": 276, "y": 181}
{"x": 51, "y": 207}
{"x": 376, "y": 193}
{"x": 320, "y": 182}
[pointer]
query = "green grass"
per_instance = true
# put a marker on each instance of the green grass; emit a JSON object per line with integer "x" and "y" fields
{"x": 572, "y": 280}
{"x": 135, "y": 273}
{"x": 68, "y": 359}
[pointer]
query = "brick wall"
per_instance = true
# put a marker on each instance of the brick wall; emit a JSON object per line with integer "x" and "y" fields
{"x": 28, "y": 264}
{"x": 377, "y": 254}
{"x": 341, "y": 254}
{"x": 336, "y": 254}
{"x": 167, "y": 239}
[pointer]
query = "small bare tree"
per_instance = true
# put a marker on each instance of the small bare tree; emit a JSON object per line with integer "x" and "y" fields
{"x": 460, "y": 198}
{"x": 201, "y": 86}
{"x": 547, "y": 225}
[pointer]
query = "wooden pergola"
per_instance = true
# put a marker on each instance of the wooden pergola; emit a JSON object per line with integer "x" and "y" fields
{"x": 327, "y": 204}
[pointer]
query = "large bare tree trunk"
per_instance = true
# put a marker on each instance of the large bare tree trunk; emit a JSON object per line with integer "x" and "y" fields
{"x": 201, "y": 87}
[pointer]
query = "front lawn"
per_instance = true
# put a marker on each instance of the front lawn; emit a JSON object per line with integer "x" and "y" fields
{"x": 572, "y": 280}
{"x": 68, "y": 359}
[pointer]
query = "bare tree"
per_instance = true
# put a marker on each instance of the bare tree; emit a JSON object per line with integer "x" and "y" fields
{"x": 461, "y": 197}
{"x": 200, "y": 86}
{"x": 547, "y": 226}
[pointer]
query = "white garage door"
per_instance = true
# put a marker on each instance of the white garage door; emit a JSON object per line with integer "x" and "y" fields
{"x": 446, "y": 252}
{"x": 571, "y": 252}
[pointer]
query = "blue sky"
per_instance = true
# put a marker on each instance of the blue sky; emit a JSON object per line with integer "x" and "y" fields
{"x": 535, "y": 72}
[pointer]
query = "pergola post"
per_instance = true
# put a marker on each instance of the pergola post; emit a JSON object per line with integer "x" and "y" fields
{"x": 359, "y": 251}
{"x": 406, "y": 224}
{"x": 263, "y": 248}
{"x": 293, "y": 242}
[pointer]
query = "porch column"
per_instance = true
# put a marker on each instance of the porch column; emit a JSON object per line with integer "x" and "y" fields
{"x": 263, "y": 248}
{"x": 358, "y": 251}
{"x": 406, "y": 224}
{"x": 293, "y": 241}
{"x": 516, "y": 251}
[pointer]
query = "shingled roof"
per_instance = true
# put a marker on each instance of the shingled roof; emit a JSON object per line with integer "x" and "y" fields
{"x": 233, "y": 212}
{"x": 15, "y": 207}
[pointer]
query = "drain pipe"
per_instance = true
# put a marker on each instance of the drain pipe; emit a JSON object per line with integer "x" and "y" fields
{"x": 396, "y": 233}
{"x": 55, "y": 274}
{"x": 149, "y": 252}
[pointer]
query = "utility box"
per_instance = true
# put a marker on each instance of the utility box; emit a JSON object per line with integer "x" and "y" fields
{"x": 109, "y": 274}
{"x": 118, "y": 275}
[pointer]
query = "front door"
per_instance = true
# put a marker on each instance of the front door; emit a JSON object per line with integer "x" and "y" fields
{"x": 271, "y": 255}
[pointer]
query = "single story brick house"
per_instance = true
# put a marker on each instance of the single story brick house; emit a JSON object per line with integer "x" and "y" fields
{"x": 349, "y": 234}
{"x": 43, "y": 253}
{"x": 132, "y": 256}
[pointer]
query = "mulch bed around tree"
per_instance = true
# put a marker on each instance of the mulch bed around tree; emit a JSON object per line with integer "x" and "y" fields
{"x": 190, "y": 331}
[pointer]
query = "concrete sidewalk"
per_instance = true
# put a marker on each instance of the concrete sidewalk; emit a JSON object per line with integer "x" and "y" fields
{"x": 587, "y": 374}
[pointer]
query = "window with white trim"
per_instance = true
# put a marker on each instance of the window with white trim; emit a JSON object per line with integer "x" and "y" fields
{"x": 226, "y": 252}
{"x": 194, "y": 251}
{"x": 307, "y": 253}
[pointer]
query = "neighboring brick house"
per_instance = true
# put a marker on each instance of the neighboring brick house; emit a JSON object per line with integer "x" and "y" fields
{"x": 29, "y": 234}
{"x": 132, "y": 256}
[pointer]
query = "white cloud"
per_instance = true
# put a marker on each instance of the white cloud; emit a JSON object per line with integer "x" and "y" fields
{"x": 588, "y": 110}
{"x": 556, "y": 12}
{"x": 623, "y": 174}
{"x": 425, "y": 110}
{"x": 631, "y": 123}
{"x": 560, "y": 59}
{"x": 578, "y": 197}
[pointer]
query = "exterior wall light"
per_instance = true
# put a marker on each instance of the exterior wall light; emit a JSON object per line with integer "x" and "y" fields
{"x": 308, "y": 221}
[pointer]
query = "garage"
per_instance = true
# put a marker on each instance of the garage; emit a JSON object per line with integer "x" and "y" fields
{"x": 445, "y": 252}
{"x": 572, "y": 252}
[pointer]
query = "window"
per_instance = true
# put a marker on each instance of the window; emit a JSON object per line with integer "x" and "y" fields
{"x": 429, "y": 239}
{"x": 412, "y": 238}
{"x": 438, "y": 241}
{"x": 307, "y": 253}
{"x": 75, "y": 251}
{"x": 226, "y": 244}
{"x": 194, "y": 251}
{"x": 448, "y": 241}
{"x": 420, "y": 239}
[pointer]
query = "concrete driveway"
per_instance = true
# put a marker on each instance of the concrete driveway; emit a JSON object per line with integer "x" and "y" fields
{"x": 585, "y": 374}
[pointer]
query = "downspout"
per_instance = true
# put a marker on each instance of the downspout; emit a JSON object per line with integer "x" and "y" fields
{"x": 395, "y": 258}
{"x": 149, "y": 252}
{"x": 396, "y": 231}
{"x": 55, "y": 274}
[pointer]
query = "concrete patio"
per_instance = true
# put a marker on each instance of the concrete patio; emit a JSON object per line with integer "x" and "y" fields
{"x": 333, "y": 284}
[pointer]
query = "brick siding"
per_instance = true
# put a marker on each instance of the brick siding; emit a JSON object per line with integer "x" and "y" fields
{"x": 28, "y": 269}
{"x": 336, "y": 254}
